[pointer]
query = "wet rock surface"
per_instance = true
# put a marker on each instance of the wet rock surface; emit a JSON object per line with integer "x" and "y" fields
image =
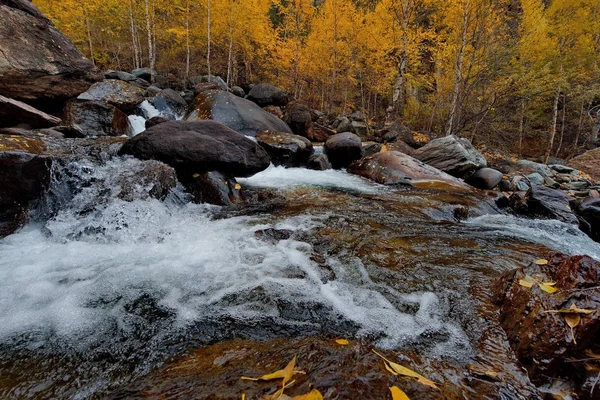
{"x": 550, "y": 203}
{"x": 485, "y": 178}
{"x": 286, "y": 149}
{"x": 239, "y": 114}
{"x": 117, "y": 93}
{"x": 342, "y": 149}
{"x": 588, "y": 213}
{"x": 453, "y": 155}
{"x": 201, "y": 146}
{"x": 213, "y": 188}
{"x": 96, "y": 118}
{"x": 543, "y": 341}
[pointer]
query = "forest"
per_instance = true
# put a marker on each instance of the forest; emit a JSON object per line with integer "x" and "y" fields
{"x": 521, "y": 76}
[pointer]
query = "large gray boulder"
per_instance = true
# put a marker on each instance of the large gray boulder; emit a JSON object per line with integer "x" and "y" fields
{"x": 38, "y": 64}
{"x": 239, "y": 114}
{"x": 286, "y": 149}
{"x": 120, "y": 94}
{"x": 264, "y": 95}
{"x": 197, "y": 147}
{"x": 342, "y": 149}
{"x": 485, "y": 178}
{"x": 588, "y": 213}
{"x": 393, "y": 168}
{"x": 96, "y": 118}
{"x": 550, "y": 203}
{"x": 169, "y": 103}
{"x": 453, "y": 155}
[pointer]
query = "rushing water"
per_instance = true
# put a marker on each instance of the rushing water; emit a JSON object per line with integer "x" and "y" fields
{"x": 111, "y": 288}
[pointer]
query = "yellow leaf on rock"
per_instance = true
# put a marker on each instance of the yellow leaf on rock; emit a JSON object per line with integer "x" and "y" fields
{"x": 526, "y": 283}
{"x": 573, "y": 320}
{"x": 398, "y": 394}
{"x": 541, "y": 262}
{"x": 591, "y": 354}
{"x": 312, "y": 395}
{"x": 238, "y": 186}
{"x": 398, "y": 369}
{"x": 343, "y": 342}
{"x": 547, "y": 288}
{"x": 285, "y": 374}
{"x": 571, "y": 311}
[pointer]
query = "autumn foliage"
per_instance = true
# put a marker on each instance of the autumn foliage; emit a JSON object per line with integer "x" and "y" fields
{"x": 523, "y": 74}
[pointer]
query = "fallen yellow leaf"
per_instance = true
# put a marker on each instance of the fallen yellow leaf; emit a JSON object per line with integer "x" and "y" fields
{"x": 397, "y": 369}
{"x": 541, "y": 262}
{"x": 398, "y": 394}
{"x": 573, "y": 320}
{"x": 574, "y": 310}
{"x": 343, "y": 342}
{"x": 243, "y": 396}
{"x": 285, "y": 374}
{"x": 591, "y": 354}
{"x": 238, "y": 186}
{"x": 312, "y": 395}
{"x": 547, "y": 288}
{"x": 527, "y": 282}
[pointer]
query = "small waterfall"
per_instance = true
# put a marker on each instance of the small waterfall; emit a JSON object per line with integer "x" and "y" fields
{"x": 138, "y": 122}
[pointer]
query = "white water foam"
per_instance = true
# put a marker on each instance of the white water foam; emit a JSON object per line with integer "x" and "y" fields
{"x": 553, "y": 234}
{"x": 280, "y": 177}
{"x": 138, "y": 124}
{"x": 77, "y": 276}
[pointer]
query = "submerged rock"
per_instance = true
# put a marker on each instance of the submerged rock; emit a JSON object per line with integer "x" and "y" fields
{"x": 200, "y": 146}
{"x": 38, "y": 64}
{"x": 264, "y": 95}
{"x": 239, "y": 114}
{"x": 342, "y": 149}
{"x": 286, "y": 149}
{"x": 392, "y": 168}
{"x": 96, "y": 118}
{"x": 214, "y": 187}
{"x": 13, "y": 112}
{"x": 542, "y": 341}
{"x": 453, "y": 155}
{"x": 318, "y": 162}
{"x": 120, "y": 94}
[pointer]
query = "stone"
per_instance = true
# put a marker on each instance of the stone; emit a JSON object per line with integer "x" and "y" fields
{"x": 360, "y": 128}
{"x": 535, "y": 179}
{"x": 393, "y": 168}
{"x": 214, "y": 187}
{"x": 345, "y": 125}
{"x": 169, "y": 103}
{"x": 213, "y": 79}
{"x": 120, "y": 94}
{"x": 399, "y": 132}
{"x": 562, "y": 168}
{"x": 370, "y": 148}
{"x": 38, "y": 64}
{"x": 127, "y": 77}
{"x": 588, "y": 162}
{"x": 286, "y": 149}
{"x": 96, "y": 118}
{"x": 550, "y": 203}
{"x": 276, "y": 111}
{"x": 156, "y": 178}
{"x": 453, "y": 155}
{"x": 199, "y": 146}
{"x": 264, "y": 95}
{"x": 588, "y": 213}
{"x": 398, "y": 146}
{"x": 299, "y": 118}
{"x": 485, "y": 178}
{"x": 14, "y": 112}
{"x": 527, "y": 167}
{"x": 318, "y": 162}
{"x": 239, "y": 114}
{"x": 144, "y": 73}
{"x": 155, "y": 121}
{"x": 238, "y": 91}
{"x": 152, "y": 91}
{"x": 543, "y": 341}
{"x": 342, "y": 149}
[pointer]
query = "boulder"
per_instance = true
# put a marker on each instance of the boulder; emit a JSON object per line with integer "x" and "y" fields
{"x": 453, "y": 155}
{"x": 238, "y": 91}
{"x": 204, "y": 86}
{"x": 526, "y": 167}
{"x": 319, "y": 134}
{"x": 543, "y": 341}
{"x": 38, "y": 64}
{"x": 398, "y": 146}
{"x": 399, "y": 132}
{"x": 276, "y": 111}
{"x": 342, "y": 149}
{"x": 318, "y": 162}
{"x": 299, "y": 118}
{"x": 370, "y": 148}
{"x": 197, "y": 147}
{"x": 144, "y": 73}
{"x": 152, "y": 91}
{"x": 393, "y": 168}
{"x": 264, "y": 95}
{"x": 588, "y": 162}
{"x": 588, "y": 213}
{"x": 286, "y": 149}
{"x": 96, "y": 118}
{"x": 14, "y": 112}
{"x": 155, "y": 121}
{"x": 360, "y": 128}
{"x": 149, "y": 179}
{"x": 485, "y": 178}
{"x": 212, "y": 79}
{"x": 238, "y": 114}
{"x": 120, "y": 94}
{"x": 214, "y": 187}
{"x": 127, "y": 77}
{"x": 169, "y": 103}
{"x": 550, "y": 203}
{"x": 169, "y": 81}
{"x": 345, "y": 125}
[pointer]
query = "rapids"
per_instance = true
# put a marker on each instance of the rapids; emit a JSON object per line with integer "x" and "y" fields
{"x": 98, "y": 292}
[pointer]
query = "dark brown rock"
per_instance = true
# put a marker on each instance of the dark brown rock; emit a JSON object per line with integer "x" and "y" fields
{"x": 392, "y": 168}
{"x": 286, "y": 149}
{"x": 13, "y": 112}
{"x": 342, "y": 149}
{"x": 588, "y": 213}
{"x": 96, "y": 118}
{"x": 543, "y": 341}
{"x": 485, "y": 178}
{"x": 398, "y": 132}
{"x": 398, "y": 146}
{"x": 118, "y": 93}
{"x": 299, "y": 118}
{"x": 318, "y": 162}
{"x": 453, "y": 155}
{"x": 264, "y": 95}
{"x": 239, "y": 114}
{"x": 550, "y": 203}
{"x": 38, "y": 64}
{"x": 200, "y": 146}
{"x": 155, "y": 121}
{"x": 169, "y": 103}
{"x": 214, "y": 188}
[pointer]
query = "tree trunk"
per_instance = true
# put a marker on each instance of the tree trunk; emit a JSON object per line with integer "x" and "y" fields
{"x": 136, "y": 54}
{"x": 458, "y": 75}
{"x": 580, "y": 124}
{"x": 149, "y": 30}
{"x": 208, "y": 43}
{"x": 89, "y": 35}
{"x": 562, "y": 126}
{"x": 187, "y": 38}
{"x": 230, "y": 55}
{"x": 553, "y": 127}
{"x": 521, "y": 127}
